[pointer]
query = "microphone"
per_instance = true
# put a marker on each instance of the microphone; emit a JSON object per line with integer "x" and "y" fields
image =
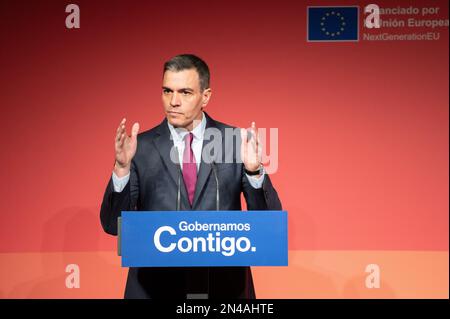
{"x": 214, "y": 169}
{"x": 179, "y": 188}
{"x": 213, "y": 165}
{"x": 207, "y": 275}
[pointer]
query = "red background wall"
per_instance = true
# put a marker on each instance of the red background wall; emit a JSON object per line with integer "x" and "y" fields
{"x": 363, "y": 127}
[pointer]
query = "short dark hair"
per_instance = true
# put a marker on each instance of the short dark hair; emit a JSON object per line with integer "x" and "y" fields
{"x": 189, "y": 61}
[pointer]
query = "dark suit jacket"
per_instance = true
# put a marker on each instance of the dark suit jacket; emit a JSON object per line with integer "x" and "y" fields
{"x": 153, "y": 186}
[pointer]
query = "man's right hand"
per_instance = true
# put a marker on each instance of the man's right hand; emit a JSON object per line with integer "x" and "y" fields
{"x": 125, "y": 147}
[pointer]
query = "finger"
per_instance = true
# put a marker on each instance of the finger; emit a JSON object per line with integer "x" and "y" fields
{"x": 244, "y": 136}
{"x": 244, "y": 143}
{"x": 255, "y": 143}
{"x": 259, "y": 152}
{"x": 122, "y": 123}
{"x": 254, "y": 136}
{"x": 135, "y": 130}
{"x": 120, "y": 129}
{"x": 258, "y": 139}
{"x": 255, "y": 132}
{"x": 118, "y": 145}
{"x": 121, "y": 140}
{"x": 120, "y": 133}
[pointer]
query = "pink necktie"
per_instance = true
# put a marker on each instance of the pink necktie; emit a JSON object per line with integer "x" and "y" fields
{"x": 189, "y": 167}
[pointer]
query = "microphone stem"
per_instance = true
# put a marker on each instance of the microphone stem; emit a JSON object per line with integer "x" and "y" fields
{"x": 217, "y": 186}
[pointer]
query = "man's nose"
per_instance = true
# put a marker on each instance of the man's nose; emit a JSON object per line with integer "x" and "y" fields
{"x": 175, "y": 100}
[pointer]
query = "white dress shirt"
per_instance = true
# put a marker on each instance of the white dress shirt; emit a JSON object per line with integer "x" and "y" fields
{"x": 178, "y": 135}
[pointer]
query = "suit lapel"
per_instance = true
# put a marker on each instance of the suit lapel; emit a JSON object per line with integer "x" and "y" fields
{"x": 202, "y": 177}
{"x": 205, "y": 168}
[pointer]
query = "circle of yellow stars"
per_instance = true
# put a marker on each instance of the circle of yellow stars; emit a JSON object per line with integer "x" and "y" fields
{"x": 341, "y": 21}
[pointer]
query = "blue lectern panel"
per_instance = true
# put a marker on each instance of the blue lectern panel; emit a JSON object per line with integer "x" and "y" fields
{"x": 204, "y": 238}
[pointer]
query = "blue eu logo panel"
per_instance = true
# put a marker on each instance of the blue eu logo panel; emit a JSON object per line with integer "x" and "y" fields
{"x": 204, "y": 238}
{"x": 333, "y": 24}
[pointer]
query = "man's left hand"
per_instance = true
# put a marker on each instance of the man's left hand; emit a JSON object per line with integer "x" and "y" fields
{"x": 251, "y": 149}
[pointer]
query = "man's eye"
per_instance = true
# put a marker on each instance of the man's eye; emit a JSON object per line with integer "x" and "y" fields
{"x": 166, "y": 91}
{"x": 186, "y": 93}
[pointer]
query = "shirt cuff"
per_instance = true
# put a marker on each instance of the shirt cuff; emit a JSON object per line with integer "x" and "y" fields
{"x": 256, "y": 182}
{"x": 120, "y": 182}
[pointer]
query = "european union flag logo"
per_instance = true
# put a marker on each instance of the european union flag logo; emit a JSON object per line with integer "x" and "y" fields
{"x": 333, "y": 23}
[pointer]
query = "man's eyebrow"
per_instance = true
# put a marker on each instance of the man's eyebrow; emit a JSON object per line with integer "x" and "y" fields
{"x": 185, "y": 89}
{"x": 179, "y": 90}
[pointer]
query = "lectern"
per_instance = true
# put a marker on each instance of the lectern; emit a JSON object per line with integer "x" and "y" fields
{"x": 203, "y": 239}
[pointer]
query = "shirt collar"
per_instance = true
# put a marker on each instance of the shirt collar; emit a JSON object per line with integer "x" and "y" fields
{"x": 178, "y": 133}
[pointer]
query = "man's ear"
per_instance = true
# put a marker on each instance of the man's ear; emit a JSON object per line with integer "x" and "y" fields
{"x": 206, "y": 96}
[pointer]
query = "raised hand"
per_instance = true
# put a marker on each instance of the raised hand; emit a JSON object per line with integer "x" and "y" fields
{"x": 251, "y": 149}
{"x": 125, "y": 148}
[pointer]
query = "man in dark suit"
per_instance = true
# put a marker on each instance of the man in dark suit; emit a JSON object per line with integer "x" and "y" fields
{"x": 148, "y": 176}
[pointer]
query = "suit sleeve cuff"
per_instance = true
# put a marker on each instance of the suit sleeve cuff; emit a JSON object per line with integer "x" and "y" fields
{"x": 256, "y": 182}
{"x": 120, "y": 182}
